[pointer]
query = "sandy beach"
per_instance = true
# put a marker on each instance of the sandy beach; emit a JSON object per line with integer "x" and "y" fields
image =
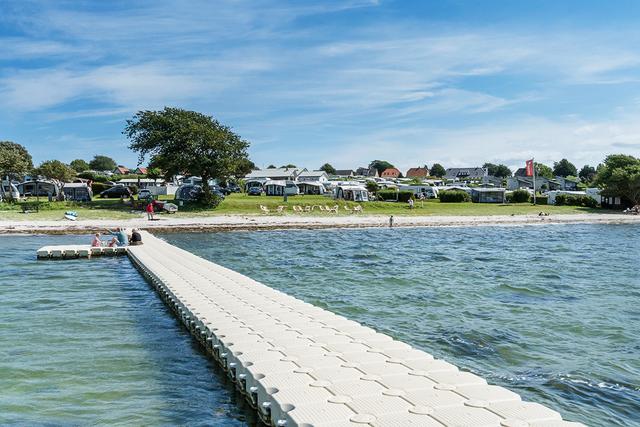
{"x": 257, "y": 222}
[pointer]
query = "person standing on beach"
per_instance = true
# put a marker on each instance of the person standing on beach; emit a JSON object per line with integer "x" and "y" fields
{"x": 150, "y": 211}
{"x": 391, "y": 221}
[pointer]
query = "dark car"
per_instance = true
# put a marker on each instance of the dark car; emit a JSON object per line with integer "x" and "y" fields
{"x": 115, "y": 192}
{"x": 232, "y": 188}
{"x": 254, "y": 191}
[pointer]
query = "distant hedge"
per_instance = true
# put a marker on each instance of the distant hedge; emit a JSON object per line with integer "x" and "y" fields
{"x": 573, "y": 200}
{"x": 518, "y": 196}
{"x": 390, "y": 195}
{"x": 99, "y": 187}
{"x": 454, "y": 196}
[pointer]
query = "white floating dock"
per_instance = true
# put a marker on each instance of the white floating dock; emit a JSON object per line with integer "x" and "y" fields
{"x": 300, "y": 365}
{"x": 78, "y": 251}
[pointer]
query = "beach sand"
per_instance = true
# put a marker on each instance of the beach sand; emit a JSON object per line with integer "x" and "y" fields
{"x": 257, "y": 222}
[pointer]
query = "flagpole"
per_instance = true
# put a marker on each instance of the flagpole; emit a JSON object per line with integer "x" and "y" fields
{"x": 533, "y": 165}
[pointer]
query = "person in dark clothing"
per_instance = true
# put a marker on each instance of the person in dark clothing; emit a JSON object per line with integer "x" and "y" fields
{"x": 136, "y": 238}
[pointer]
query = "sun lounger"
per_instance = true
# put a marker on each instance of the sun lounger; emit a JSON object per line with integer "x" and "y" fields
{"x": 264, "y": 209}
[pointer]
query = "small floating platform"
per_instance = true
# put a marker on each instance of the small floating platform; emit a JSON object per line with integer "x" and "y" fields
{"x": 78, "y": 251}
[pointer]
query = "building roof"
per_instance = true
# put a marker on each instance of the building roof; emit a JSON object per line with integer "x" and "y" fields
{"x": 391, "y": 171}
{"x": 417, "y": 173}
{"x": 274, "y": 173}
{"x": 312, "y": 174}
{"x": 475, "y": 172}
{"x": 121, "y": 169}
{"x": 142, "y": 170}
{"x": 344, "y": 172}
{"x": 367, "y": 172}
{"x": 488, "y": 190}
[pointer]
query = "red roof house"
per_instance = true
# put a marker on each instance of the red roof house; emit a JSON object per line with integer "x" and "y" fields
{"x": 417, "y": 173}
{"x": 390, "y": 173}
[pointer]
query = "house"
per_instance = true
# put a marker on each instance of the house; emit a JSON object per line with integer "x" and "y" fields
{"x": 140, "y": 170}
{"x": 463, "y": 174}
{"x": 488, "y": 195}
{"x": 278, "y": 174}
{"x": 417, "y": 173}
{"x": 542, "y": 183}
{"x": 367, "y": 172}
{"x": 313, "y": 176}
{"x": 391, "y": 173}
{"x": 567, "y": 184}
{"x": 345, "y": 173}
{"x": 492, "y": 181}
{"x": 121, "y": 170}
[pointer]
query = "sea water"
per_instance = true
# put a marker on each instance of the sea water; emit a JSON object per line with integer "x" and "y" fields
{"x": 550, "y": 312}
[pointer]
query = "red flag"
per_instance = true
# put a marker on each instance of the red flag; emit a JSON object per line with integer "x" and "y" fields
{"x": 530, "y": 167}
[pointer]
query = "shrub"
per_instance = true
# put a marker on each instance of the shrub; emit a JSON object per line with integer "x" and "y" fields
{"x": 212, "y": 201}
{"x": 133, "y": 188}
{"x": 391, "y": 195}
{"x": 520, "y": 196}
{"x": 454, "y": 196}
{"x": 542, "y": 200}
{"x": 574, "y": 200}
{"x": 99, "y": 187}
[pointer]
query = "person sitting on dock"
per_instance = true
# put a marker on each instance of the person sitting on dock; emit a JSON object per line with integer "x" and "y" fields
{"x": 113, "y": 243}
{"x": 136, "y": 238}
{"x": 123, "y": 239}
{"x": 96, "y": 242}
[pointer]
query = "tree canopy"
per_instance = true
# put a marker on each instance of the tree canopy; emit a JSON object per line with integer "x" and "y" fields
{"x": 543, "y": 170}
{"x": 271, "y": 167}
{"x": 587, "y": 173}
{"x": 330, "y": 170}
{"x": 290, "y": 165}
{"x": 564, "y": 168}
{"x": 438, "y": 170}
{"x": 180, "y": 141}
{"x": 79, "y": 165}
{"x": 619, "y": 176}
{"x": 55, "y": 169}
{"x": 14, "y": 159}
{"x": 500, "y": 171}
{"x": 380, "y": 165}
{"x": 102, "y": 163}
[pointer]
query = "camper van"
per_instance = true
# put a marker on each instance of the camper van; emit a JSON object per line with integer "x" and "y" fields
{"x": 428, "y": 191}
{"x": 9, "y": 190}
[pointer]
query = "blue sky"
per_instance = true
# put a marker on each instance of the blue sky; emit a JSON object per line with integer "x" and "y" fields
{"x": 456, "y": 82}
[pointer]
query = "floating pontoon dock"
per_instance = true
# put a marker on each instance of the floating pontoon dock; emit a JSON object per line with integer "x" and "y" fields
{"x": 78, "y": 251}
{"x": 300, "y": 365}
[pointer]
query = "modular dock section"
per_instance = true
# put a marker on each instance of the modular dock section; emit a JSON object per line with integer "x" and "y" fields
{"x": 78, "y": 251}
{"x": 300, "y": 365}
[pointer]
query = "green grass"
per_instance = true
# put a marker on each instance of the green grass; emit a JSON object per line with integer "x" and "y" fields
{"x": 243, "y": 204}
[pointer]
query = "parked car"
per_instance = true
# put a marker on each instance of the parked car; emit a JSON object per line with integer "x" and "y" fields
{"x": 232, "y": 188}
{"x": 144, "y": 194}
{"x": 254, "y": 191}
{"x": 115, "y": 192}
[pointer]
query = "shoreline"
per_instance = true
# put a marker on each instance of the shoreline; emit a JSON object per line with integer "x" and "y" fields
{"x": 258, "y": 223}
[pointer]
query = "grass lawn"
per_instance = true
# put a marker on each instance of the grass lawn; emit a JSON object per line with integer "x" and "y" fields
{"x": 243, "y": 204}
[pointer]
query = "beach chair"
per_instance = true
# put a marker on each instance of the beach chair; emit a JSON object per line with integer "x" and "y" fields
{"x": 297, "y": 208}
{"x": 281, "y": 209}
{"x": 357, "y": 209}
{"x": 346, "y": 208}
{"x": 307, "y": 208}
{"x": 334, "y": 209}
{"x": 264, "y": 209}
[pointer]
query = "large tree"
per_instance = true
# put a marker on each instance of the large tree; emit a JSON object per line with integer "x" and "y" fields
{"x": 330, "y": 170}
{"x": 500, "y": 171}
{"x": 79, "y": 165}
{"x": 564, "y": 168}
{"x": 438, "y": 170}
{"x": 620, "y": 176}
{"x": 543, "y": 171}
{"x": 380, "y": 165}
{"x": 587, "y": 173}
{"x": 14, "y": 160}
{"x": 102, "y": 163}
{"x": 180, "y": 141}
{"x": 55, "y": 169}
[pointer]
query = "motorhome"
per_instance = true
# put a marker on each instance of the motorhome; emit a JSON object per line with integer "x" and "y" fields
{"x": 78, "y": 191}
{"x": 42, "y": 188}
{"x": 9, "y": 190}
{"x": 427, "y": 191}
{"x": 281, "y": 188}
{"x": 356, "y": 193}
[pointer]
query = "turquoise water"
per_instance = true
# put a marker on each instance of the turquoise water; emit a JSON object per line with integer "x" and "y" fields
{"x": 550, "y": 312}
{"x": 87, "y": 342}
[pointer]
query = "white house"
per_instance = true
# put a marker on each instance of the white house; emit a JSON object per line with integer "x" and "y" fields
{"x": 276, "y": 174}
{"x": 316, "y": 176}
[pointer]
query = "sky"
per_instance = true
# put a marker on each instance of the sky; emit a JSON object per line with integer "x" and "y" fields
{"x": 345, "y": 82}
